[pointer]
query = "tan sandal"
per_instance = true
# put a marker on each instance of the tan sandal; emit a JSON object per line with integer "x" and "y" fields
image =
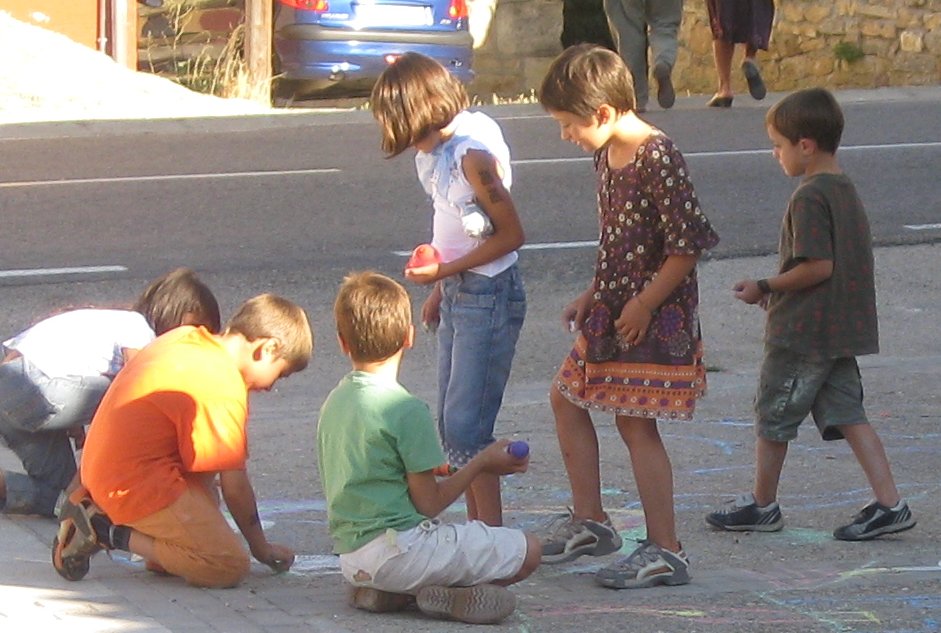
{"x": 76, "y": 541}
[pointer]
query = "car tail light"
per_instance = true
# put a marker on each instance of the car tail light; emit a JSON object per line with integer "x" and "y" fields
{"x": 317, "y": 6}
{"x": 457, "y": 9}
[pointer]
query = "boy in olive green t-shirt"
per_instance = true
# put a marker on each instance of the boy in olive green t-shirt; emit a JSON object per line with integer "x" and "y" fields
{"x": 821, "y": 315}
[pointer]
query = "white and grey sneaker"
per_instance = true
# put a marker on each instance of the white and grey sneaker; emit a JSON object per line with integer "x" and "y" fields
{"x": 745, "y": 515}
{"x": 568, "y": 538}
{"x": 646, "y": 566}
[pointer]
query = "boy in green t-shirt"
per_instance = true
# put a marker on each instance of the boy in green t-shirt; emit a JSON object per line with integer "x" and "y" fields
{"x": 377, "y": 447}
{"x": 821, "y": 315}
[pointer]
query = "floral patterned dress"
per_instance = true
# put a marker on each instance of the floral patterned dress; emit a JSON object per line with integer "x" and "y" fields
{"x": 647, "y": 212}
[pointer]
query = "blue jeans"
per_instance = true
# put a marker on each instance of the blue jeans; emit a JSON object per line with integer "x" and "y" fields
{"x": 36, "y": 413}
{"x": 481, "y": 318}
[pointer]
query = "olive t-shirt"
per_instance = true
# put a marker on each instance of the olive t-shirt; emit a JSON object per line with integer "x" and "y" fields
{"x": 836, "y": 318}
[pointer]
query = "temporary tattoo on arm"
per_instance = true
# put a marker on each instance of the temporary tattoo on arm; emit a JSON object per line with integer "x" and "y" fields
{"x": 488, "y": 180}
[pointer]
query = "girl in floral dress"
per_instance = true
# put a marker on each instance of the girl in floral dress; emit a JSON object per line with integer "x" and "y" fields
{"x": 638, "y": 354}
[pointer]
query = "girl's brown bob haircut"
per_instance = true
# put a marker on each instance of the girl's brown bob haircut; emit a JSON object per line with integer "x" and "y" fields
{"x": 414, "y": 96}
{"x": 176, "y": 298}
{"x": 585, "y": 77}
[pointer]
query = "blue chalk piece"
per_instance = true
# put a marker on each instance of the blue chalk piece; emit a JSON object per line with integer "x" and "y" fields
{"x": 518, "y": 449}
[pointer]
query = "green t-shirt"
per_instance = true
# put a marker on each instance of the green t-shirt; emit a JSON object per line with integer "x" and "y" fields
{"x": 825, "y": 219}
{"x": 371, "y": 433}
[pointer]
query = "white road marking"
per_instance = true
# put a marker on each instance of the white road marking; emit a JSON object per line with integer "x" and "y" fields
{"x": 735, "y": 152}
{"x": 923, "y": 227}
{"x": 537, "y": 246}
{"x": 333, "y": 170}
{"x": 48, "y": 272}
{"x": 116, "y": 179}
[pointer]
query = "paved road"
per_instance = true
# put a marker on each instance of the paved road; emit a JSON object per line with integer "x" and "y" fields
{"x": 308, "y": 190}
{"x": 796, "y": 580}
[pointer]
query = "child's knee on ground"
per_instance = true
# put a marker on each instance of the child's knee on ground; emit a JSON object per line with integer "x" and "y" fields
{"x": 216, "y": 570}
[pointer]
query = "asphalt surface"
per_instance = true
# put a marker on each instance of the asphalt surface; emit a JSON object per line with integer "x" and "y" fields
{"x": 799, "y": 579}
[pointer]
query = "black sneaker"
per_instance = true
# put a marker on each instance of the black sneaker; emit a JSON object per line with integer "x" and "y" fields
{"x": 744, "y": 515}
{"x": 875, "y": 520}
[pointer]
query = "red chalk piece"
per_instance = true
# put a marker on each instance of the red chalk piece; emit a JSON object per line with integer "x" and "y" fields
{"x": 423, "y": 255}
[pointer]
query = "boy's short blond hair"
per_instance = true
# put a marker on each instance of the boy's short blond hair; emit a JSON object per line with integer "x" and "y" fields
{"x": 271, "y": 316}
{"x": 585, "y": 77}
{"x": 373, "y": 314}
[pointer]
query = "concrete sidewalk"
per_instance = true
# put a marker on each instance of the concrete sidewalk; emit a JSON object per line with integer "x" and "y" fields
{"x": 799, "y": 579}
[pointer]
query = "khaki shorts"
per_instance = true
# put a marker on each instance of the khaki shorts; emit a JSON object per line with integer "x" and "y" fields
{"x": 193, "y": 540}
{"x": 435, "y": 553}
{"x": 794, "y": 385}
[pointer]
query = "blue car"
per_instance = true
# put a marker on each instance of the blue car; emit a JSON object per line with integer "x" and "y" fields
{"x": 341, "y": 46}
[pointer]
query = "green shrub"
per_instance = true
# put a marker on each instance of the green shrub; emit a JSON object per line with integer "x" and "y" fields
{"x": 848, "y": 52}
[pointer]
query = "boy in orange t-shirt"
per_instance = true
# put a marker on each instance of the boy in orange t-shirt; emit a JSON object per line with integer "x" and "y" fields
{"x": 173, "y": 418}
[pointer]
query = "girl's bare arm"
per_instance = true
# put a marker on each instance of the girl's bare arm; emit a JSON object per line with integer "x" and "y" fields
{"x": 480, "y": 169}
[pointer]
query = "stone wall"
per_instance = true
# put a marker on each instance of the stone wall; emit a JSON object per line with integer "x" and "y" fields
{"x": 833, "y": 43}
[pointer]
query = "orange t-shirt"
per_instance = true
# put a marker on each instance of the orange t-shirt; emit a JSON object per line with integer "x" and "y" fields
{"x": 179, "y": 406}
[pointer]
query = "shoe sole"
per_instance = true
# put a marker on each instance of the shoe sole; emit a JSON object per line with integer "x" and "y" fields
{"x": 480, "y": 604}
{"x": 888, "y": 529}
{"x": 75, "y": 542}
{"x": 72, "y": 568}
{"x": 756, "y": 85}
{"x": 617, "y": 583}
{"x": 765, "y": 527}
{"x": 666, "y": 95}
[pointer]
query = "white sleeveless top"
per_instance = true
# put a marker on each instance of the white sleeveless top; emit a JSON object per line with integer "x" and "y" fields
{"x": 441, "y": 175}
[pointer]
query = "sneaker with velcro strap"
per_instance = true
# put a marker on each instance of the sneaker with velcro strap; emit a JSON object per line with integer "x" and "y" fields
{"x": 646, "y": 566}
{"x": 566, "y": 538}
